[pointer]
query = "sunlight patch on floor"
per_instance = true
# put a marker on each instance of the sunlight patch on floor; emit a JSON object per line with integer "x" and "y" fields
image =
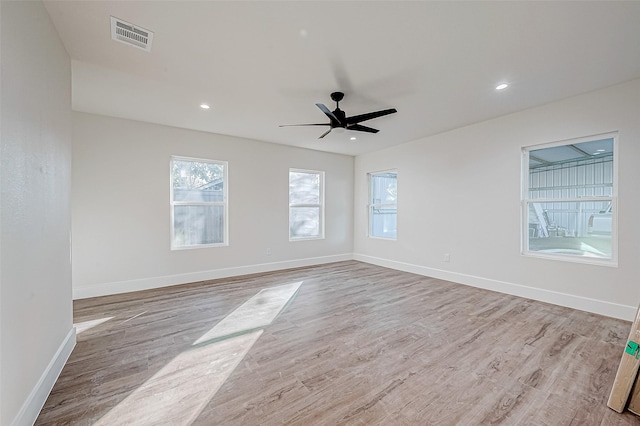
{"x": 257, "y": 312}
{"x": 86, "y": 325}
{"x": 134, "y": 317}
{"x": 177, "y": 393}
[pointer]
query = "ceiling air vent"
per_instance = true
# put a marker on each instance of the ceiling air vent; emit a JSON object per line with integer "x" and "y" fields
{"x": 130, "y": 34}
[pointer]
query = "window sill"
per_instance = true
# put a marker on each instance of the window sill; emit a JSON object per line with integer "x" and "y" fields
{"x": 305, "y": 238}
{"x": 199, "y": 246}
{"x": 572, "y": 258}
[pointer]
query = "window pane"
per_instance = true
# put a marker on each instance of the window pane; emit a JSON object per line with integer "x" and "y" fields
{"x": 304, "y": 188}
{"x": 194, "y": 225}
{"x": 578, "y": 228}
{"x": 197, "y": 181}
{"x": 304, "y": 222}
{"x": 383, "y": 212}
{"x": 383, "y": 222}
{"x": 572, "y": 171}
{"x": 384, "y": 188}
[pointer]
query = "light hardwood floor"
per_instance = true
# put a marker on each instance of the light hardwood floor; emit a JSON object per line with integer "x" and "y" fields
{"x": 358, "y": 344}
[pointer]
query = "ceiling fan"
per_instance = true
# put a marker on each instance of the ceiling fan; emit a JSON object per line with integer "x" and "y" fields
{"x": 339, "y": 119}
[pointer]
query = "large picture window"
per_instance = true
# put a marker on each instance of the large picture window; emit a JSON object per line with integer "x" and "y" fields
{"x": 198, "y": 203}
{"x": 569, "y": 200}
{"x": 383, "y": 204}
{"x": 306, "y": 204}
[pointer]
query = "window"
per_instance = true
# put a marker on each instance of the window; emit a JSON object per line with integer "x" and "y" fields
{"x": 306, "y": 204}
{"x": 383, "y": 200}
{"x": 198, "y": 203}
{"x": 569, "y": 200}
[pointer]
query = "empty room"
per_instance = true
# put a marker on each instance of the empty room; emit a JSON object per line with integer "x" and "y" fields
{"x": 314, "y": 212}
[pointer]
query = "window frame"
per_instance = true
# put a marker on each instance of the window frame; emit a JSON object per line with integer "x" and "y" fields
{"x": 612, "y": 199}
{"x": 320, "y": 205}
{"x": 224, "y": 203}
{"x": 371, "y": 205}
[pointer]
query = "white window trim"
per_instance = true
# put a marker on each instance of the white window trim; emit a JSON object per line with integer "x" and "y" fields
{"x": 320, "y": 235}
{"x": 371, "y": 206}
{"x": 224, "y": 203}
{"x": 524, "y": 209}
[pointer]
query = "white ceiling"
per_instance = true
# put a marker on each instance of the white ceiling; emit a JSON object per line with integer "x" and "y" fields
{"x": 261, "y": 64}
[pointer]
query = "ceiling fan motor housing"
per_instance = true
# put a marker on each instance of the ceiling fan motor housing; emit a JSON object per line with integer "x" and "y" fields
{"x": 342, "y": 118}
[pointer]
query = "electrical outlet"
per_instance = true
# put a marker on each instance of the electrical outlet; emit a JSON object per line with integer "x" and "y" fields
{"x": 269, "y": 252}
{"x": 447, "y": 257}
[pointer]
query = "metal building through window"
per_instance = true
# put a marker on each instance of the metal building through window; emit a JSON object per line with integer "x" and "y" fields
{"x": 569, "y": 199}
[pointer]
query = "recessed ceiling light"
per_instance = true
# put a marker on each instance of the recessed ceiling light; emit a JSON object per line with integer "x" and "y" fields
{"x": 502, "y": 86}
{"x": 353, "y": 138}
{"x": 204, "y": 106}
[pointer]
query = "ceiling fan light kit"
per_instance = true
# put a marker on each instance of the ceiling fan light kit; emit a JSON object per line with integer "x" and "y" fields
{"x": 338, "y": 119}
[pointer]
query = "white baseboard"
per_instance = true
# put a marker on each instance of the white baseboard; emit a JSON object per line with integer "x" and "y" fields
{"x": 105, "y": 289}
{"x": 609, "y": 309}
{"x": 31, "y": 408}
{"x": 600, "y": 307}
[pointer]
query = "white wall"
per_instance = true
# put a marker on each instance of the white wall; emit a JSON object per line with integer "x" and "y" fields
{"x": 459, "y": 193}
{"x": 36, "y": 311}
{"x": 121, "y": 214}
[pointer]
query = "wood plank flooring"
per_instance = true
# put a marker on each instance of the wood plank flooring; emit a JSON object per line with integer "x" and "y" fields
{"x": 357, "y": 345}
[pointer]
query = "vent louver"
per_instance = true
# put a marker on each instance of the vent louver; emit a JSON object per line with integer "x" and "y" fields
{"x": 130, "y": 34}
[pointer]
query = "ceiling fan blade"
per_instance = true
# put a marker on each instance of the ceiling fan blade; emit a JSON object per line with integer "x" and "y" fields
{"x": 325, "y": 134}
{"x": 361, "y": 128}
{"x": 315, "y": 124}
{"x": 369, "y": 116}
{"x": 331, "y": 115}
